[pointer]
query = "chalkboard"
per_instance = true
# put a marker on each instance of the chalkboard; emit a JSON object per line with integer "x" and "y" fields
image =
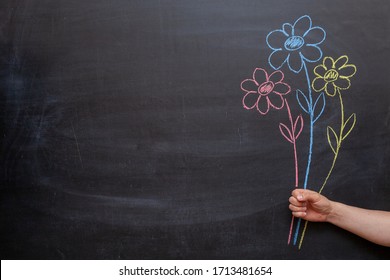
{"x": 125, "y": 133}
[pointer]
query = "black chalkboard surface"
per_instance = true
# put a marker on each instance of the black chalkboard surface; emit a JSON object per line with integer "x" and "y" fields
{"x": 125, "y": 136}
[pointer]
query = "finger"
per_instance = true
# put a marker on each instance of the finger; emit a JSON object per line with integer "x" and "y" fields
{"x": 296, "y": 208}
{"x": 299, "y": 214}
{"x": 295, "y": 202}
{"x": 306, "y": 195}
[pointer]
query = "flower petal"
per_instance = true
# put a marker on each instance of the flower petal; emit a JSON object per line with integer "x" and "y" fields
{"x": 263, "y": 105}
{"x": 281, "y": 88}
{"x": 275, "y": 39}
{"x": 342, "y": 83}
{"x": 250, "y": 100}
{"x": 276, "y": 101}
{"x": 260, "y": 76}
{"x": 315, "y": 36}
{"x": 340, "y": 62}
{"x": 318, "y": 84}
{"x": 330, "y": 89}
{"x": 328, "y": 62}
{"x": 249, "y": 85}
{"x": 347, "y": 71}
{"x": 301, "y": 26}
{"x": 276, "y": 76}
{"x": 278, "y": 58}
{"x": 320, "y": 70}
{"x": 311, "y": 53}
{"x": 288, "y": 29}
{"x": 294, "y": 62}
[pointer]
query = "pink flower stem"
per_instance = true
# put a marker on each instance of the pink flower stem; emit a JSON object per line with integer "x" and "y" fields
{"x": 294, "y": 142}
{"x": 295, "y": 161}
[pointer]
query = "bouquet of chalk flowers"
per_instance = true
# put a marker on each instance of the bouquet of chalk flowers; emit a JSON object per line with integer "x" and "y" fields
{"x": 295, "y": 46}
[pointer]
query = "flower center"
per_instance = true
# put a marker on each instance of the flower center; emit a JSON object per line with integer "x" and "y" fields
{"x": 331, "y": 76}
{"x": 294, "y": 43}
{"x": 265, "y": 88}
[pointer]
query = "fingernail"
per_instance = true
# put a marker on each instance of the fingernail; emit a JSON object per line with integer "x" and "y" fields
{"x": 300, "y": 197}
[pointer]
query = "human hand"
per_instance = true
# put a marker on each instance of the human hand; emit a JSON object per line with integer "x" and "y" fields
{"x": 310, "y": 205}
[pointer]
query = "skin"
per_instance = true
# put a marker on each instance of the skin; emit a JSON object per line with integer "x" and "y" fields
{"x": 372, "y": 225}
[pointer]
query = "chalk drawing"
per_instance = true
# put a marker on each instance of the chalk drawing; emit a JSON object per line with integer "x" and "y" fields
{"x": 264, "y": 91}
{"x": 293, "y": 134}
{"x": 295, "y": 46}
{"x": 261, "y": 92}
{"x": 333, "y": 76}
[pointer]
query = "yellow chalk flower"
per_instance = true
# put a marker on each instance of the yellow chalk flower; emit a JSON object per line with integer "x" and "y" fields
{"x": 333, "y": 75}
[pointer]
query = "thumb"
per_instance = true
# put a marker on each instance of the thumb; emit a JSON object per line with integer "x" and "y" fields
{"x": 303, "y": 195}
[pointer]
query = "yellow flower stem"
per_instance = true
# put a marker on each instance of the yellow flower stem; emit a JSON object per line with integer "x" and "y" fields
{"x": 340, "y": 139}
{"x": 336, "y": 153}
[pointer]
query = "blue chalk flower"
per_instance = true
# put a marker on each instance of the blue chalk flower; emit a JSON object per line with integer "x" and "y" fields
{"x": 295, "y": 44}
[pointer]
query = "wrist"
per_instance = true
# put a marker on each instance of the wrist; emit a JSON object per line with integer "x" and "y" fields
{"x": 334, "y": 212}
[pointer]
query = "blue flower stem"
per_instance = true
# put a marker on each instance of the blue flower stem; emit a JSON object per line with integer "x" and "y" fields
{"x": 311, "y": 114}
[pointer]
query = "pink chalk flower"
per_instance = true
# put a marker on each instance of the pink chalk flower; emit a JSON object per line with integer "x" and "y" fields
{"x": 264, "y": 91}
